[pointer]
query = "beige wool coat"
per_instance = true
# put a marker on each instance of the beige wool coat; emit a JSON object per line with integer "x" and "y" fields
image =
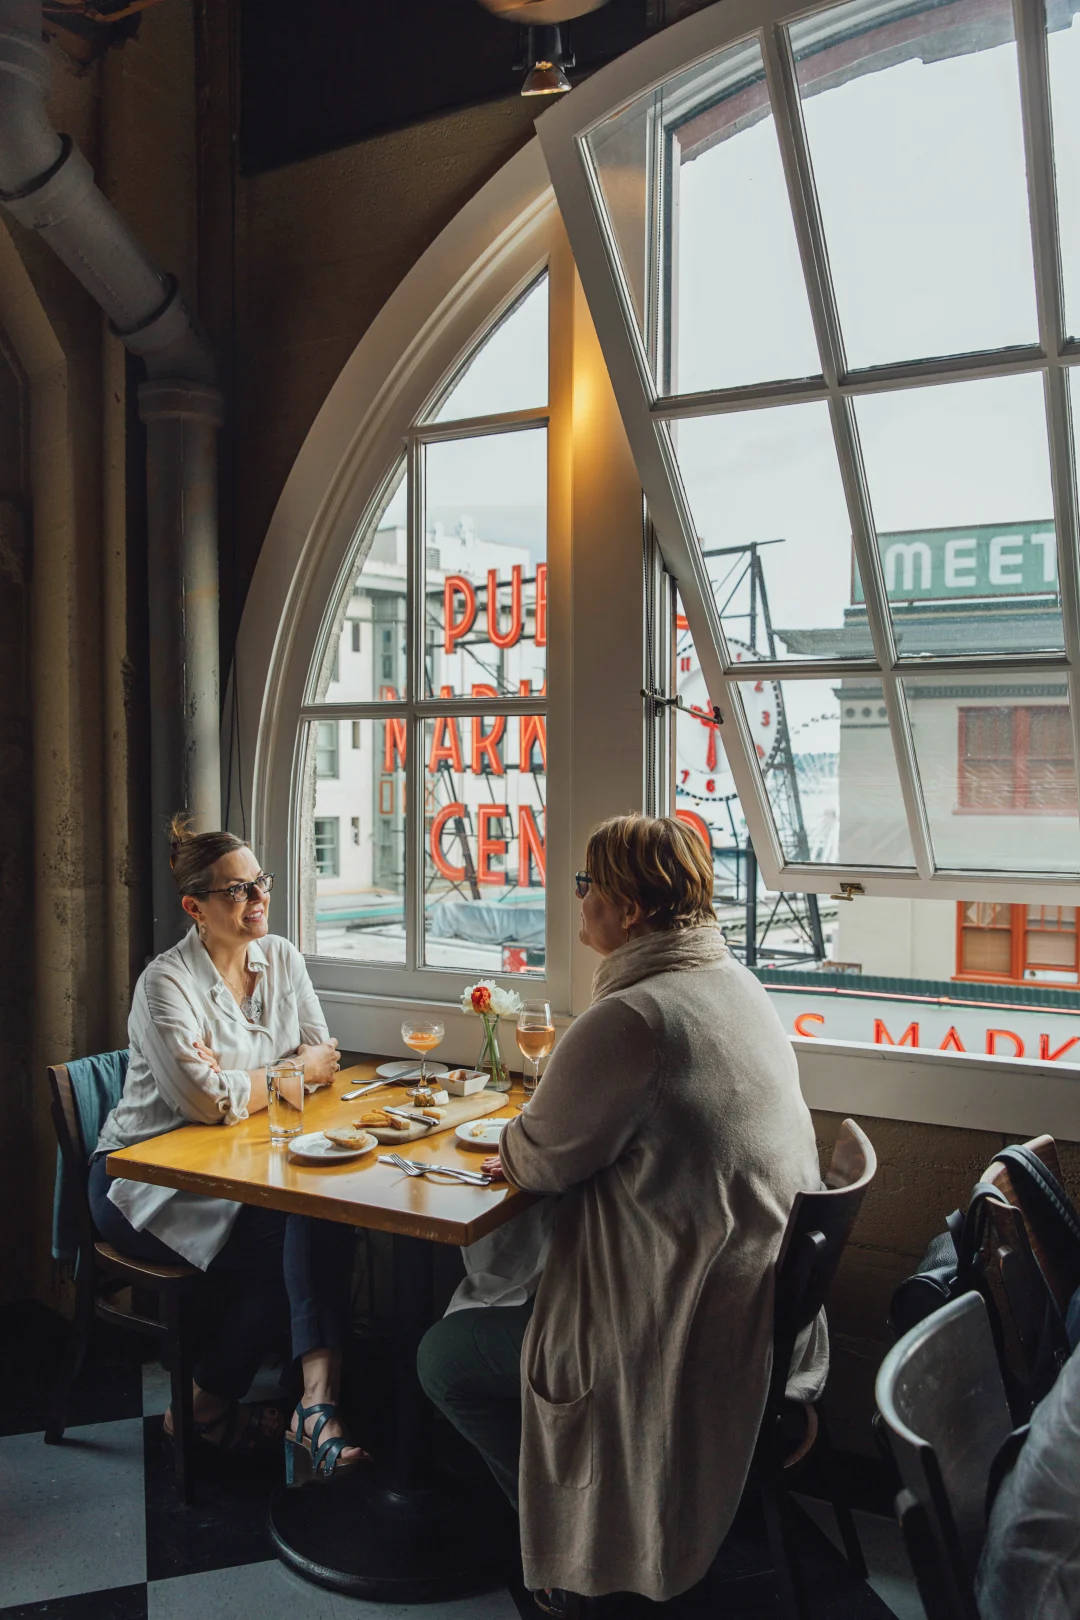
{"x": 670, "y": 1117}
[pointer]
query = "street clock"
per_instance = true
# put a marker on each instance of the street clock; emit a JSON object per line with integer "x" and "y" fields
{"x": 701, "y": 768}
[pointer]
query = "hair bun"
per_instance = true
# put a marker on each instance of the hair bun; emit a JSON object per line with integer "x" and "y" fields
{"x": 179, "y": 834}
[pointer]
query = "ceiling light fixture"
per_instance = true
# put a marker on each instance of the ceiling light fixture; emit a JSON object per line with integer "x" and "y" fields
{"x": 546, "y": 57}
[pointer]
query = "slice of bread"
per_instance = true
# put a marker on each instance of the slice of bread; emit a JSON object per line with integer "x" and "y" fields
{"x": 377, "y": 1119}
{"x": 347, "y": 1136}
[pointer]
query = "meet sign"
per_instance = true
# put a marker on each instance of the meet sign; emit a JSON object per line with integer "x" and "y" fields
{"x": 992, "y": 559}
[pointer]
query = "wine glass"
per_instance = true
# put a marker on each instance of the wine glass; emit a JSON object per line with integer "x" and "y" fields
{"x": 535, "y": 1038}
{"x": 423, "y": 1035}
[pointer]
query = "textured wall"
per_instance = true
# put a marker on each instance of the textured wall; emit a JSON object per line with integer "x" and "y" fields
{"x": 83, "y": 708}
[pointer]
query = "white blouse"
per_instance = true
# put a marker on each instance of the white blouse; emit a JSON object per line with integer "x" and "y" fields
{"x": 180, "y": 998}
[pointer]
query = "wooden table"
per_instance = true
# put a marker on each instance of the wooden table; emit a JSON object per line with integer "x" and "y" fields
{"x": 399, "y": 1535}
{"x": 241, "y": 1163}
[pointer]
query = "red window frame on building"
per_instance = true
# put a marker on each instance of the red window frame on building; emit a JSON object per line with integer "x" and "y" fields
{"x": 1006, "y": 944}
{"x": 1016, "y": 759}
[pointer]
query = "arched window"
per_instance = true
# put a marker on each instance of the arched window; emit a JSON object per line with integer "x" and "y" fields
{"x": 446, "y": 611}
{"x": 423, "y": 750}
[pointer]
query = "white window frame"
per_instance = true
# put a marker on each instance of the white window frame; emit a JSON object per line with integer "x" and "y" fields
{"x": 469, "y": 271}
{"x": 563, "y": 132}
{"x": 481, "y": 263}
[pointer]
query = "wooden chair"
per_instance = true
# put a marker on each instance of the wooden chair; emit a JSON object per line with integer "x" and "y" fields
{"x": 946, "y": 1418}
{"x": 818, "y": 1229}
{"x": 101, "y": 1273}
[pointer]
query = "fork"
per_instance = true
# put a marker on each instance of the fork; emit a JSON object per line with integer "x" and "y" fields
{"x": 412, "y": 1168}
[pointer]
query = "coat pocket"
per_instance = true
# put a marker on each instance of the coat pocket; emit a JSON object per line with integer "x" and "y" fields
{"x": 557, "y": 1439}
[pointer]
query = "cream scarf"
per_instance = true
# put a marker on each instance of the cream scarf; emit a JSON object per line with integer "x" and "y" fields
{"x": 669, "y": 951}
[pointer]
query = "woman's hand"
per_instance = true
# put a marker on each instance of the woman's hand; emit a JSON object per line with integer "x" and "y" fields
{"x": 321, "y": 1063}
{"x": 207, "y": 1055}
{"x": 493, "y": 1167}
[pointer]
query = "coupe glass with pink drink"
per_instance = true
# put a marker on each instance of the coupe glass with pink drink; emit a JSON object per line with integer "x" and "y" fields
{"x": 423, "y": 1035}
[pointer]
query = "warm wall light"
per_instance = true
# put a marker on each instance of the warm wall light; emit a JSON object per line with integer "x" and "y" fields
{"x": 546, "y": 57}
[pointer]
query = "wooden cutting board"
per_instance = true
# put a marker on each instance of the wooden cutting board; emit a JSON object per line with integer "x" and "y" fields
{"x": 454, "y": 1113}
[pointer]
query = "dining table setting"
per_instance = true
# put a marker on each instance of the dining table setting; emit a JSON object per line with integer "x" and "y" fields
{"x": 364, "y": 1152}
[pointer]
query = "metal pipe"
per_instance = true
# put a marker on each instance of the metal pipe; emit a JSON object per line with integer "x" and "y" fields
{"x": 48, "y": 186}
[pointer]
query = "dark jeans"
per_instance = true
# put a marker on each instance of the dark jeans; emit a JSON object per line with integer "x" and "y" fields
{"x": 270, "y": 1266}
{"x": 469, "y": 1364}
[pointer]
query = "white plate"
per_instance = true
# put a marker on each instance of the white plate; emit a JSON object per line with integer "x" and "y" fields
{"x": 408, "y": 1071}
{"x": 481, "y": 1133}
{"x": 314, "y": 1145}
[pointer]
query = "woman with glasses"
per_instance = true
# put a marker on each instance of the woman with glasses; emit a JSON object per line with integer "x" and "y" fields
{"x": 207, "y": 1016}
{"x": 619, "y": 1410}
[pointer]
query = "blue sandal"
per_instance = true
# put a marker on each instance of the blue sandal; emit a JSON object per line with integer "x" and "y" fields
{"x": 306, "y": 1459}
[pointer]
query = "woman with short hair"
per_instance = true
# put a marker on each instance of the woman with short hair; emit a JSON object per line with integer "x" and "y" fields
{"x": 206, "y": 1018}
{"x": 619, "y": 1410}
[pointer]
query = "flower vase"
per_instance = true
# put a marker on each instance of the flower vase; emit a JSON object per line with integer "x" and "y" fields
{"x": 491, "y": 1059}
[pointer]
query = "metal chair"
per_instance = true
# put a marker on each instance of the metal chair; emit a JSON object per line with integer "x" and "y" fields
{"x": 946, "y": 1418}
{"x": 817, "y": 1230}
{"x": 101, "y": 1273}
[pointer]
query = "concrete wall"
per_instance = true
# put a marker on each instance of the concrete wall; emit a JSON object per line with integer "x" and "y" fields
{"x": 80, "y": 705}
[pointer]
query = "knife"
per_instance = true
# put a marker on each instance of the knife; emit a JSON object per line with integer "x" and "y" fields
{"x": 372, "y": 1085}
{"x": 406, "y": 1113}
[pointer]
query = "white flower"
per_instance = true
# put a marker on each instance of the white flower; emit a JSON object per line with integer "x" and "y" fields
{"x": 485, "y": 996}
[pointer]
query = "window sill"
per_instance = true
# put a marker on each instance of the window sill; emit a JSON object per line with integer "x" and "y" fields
{"x": 1019, "y": 984}
{"x": 1011, "y": 1096}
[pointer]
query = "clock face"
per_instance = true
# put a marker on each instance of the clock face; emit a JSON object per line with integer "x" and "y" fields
{"x": 701, "y": 768}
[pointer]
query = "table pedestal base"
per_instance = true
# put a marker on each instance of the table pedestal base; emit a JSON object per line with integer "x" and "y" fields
{"x": 412, "y": 1546}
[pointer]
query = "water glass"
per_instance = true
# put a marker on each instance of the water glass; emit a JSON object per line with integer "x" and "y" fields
{"x": 285, "y": 1098}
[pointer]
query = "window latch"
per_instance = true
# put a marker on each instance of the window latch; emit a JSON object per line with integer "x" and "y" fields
{"x": 659, "y": 701}
{"x": 848, "y": 891}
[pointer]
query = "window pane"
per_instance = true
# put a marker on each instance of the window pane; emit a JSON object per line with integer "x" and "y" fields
{"x": 485, "y": 569}
{"x": 959, "y": 480}
{"x": 731, "y": 305}
{"x": 365, "y": 655}
{"x": 326, "y": 748}
{"x": 992, "y": 804}
{"x": 509, "y": 371}
{"x": 1063, "y": 45}
{"x": 917, "y": 145}
{"x": 769, "y": 480}
{"x": 352, "y": 846}
{"x": 838, "y": 798}
{"x": 986, "y": 947}
{"x": 485, "y": 843}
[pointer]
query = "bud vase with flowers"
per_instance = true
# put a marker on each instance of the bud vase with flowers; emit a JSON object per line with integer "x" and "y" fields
{"x": 490, "y": 1003}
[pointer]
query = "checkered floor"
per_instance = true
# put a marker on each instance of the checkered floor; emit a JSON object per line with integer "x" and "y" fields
{"x": 92, "y": 1529}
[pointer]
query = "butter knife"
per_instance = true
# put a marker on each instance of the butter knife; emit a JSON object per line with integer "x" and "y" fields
{"x": 372, "y": 1085}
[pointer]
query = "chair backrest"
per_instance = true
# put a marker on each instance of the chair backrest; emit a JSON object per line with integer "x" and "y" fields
{"x": 817, "y": 1230}
{"x": 80, "y": 1095}
{"x": 940, "y": 1393}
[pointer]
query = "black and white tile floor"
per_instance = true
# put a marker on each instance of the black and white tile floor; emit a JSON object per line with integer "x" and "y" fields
{"x": 92, "y": 1529}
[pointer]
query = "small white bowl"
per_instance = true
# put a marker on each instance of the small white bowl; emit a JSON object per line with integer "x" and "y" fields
{"x": 463, "y": 1082}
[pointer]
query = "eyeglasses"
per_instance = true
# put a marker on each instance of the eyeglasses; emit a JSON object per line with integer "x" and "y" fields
{"x": 238, "y": 892}
{"x": 581, "y": 884}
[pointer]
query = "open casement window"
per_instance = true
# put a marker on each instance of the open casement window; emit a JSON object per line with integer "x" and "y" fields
{"x": 833, "y": 259}
{"x": 432, "y": 668}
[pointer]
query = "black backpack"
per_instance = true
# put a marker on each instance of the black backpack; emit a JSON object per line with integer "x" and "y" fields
{"x": 955, "y": 1263}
